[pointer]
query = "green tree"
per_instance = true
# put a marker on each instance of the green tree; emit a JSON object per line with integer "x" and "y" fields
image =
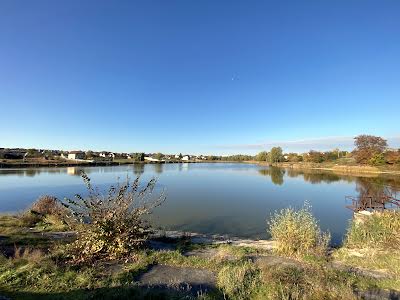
{"x": 262, "y": 156}
{"x": 377, "y": 159}
{"x": 138, "y": 156}
{"x": 275, "y": 155}
{"x": 159, "y": 156}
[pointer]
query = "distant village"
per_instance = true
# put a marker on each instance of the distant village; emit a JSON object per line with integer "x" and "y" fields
{"x": 93, "y": 156}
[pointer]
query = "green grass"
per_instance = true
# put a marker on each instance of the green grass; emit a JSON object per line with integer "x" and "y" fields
{"x": 378, "y": 231}
{"x": 32, "y": 272}
{"x": 297, "y": 233}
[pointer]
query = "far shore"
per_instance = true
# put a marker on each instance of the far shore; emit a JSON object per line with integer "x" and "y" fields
{"x": 10, "y": 164}
{"x": 336, "y": 168}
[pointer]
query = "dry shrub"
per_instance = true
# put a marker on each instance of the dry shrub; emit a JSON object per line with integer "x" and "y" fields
{"x": 48, "y": 205}
{"x": 297, "y": 233}
{"x": 111, "y": 225}
{"x": 45, "y": 208}
{"x": 381, "y": 230}
{"x": 29, "y": 219}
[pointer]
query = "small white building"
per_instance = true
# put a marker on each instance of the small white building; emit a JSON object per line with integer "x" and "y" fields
{"x": 107, "y": 154}
{"x": 75, "y": 155}
{"x": 148, "y": 158}
{"x": 185, "y": 158}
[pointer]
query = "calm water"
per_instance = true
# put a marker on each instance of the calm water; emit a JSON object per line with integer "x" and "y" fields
{"x": 232, "y": 199}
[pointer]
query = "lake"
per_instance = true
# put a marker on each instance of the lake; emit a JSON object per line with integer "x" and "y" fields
{"x": 220, "y": 198}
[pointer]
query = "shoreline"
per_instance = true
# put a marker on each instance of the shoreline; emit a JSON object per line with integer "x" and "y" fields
{"x": 6, "y": 165}
{"x": 337, "y": 169}
{"x": 352, "y": 170}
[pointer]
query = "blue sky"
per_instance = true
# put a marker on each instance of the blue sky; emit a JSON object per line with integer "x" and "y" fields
{"x": 198, "y": 76}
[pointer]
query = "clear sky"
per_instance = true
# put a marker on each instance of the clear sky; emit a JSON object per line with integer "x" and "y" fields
{"x": 198, "y": 76}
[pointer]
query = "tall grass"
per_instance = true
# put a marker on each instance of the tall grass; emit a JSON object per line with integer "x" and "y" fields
{"x": 239, "y": 281}
{"x": 381, "y": 230}
{"x": 297, "y": 232}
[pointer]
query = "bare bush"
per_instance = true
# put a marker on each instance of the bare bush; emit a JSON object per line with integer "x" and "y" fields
{"x": 48, "y": 205}
{"x": 111, "y": 225}
{"x": 46, "y": 209}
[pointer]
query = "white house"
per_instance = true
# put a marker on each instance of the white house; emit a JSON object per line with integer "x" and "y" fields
{"x": 185, "y": 158}
{"x": 76, "y": 155}
{"x": 107, "y": 154}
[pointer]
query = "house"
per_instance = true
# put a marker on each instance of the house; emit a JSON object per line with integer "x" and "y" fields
{"x": 107, "y": 154}
{"x": 76, "y": 155}
{"x": 185, "y": 158}
{"x": 13, "y": 154}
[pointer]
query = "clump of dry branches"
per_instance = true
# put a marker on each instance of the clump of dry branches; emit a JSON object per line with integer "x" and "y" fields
{"x": 111, "y": 225}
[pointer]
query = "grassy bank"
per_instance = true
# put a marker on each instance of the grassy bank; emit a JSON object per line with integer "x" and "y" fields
{"x": 338, "y": 168}
{"x": 34, "y": 265}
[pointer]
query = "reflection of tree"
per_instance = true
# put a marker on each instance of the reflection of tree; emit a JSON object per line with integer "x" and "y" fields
{"x": 158, "y": 168}
{"x": 377, "y": 186}
{"x": 31, "y": 172}
{"x": 375, "y": 193}
{"x": 138, "y": 169}
{"x": 314, "y": 176}
{"x": 275, "y": 173}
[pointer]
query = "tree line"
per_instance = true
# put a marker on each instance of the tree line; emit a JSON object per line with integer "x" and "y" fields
{"x": 369, "y": 150}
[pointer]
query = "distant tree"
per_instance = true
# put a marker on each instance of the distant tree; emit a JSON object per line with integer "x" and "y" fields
{"x": 275, "y": 155}
{"x": 89, "y": 154}
{"x": 331, "y": 155}
{"x": 180, "y": 155}
{"x": 238, "y": 157}
{"x": 33, "y": 153}
{"x": 294, "y": 157}
{"x": 262, "y": 156}
{"x": 138, "y": 156}
{"x": 314, "y": 156}
{"x": 159, "y": 156}
{"x": 367, "y": 146}
{"x": 213, "y": 157}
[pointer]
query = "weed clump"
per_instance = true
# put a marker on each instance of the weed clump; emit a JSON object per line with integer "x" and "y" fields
{"x": 297, "y": 232}
{"x": 111, "y": 225}
{"x": 380, "y": 230}
{"x": 239, "y": 281}
{"x": 46, "y": 210}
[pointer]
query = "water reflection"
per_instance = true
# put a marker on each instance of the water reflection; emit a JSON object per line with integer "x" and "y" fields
{"x": 74, "y": 171}
{"x": 367, "y": 185}
{"x": 138, "y": 169}
{"x": 211, "y": 198}
{"x": 315, "y": 176}
{"x": 275, "y": 173}
{"x": 158, "y": 168}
